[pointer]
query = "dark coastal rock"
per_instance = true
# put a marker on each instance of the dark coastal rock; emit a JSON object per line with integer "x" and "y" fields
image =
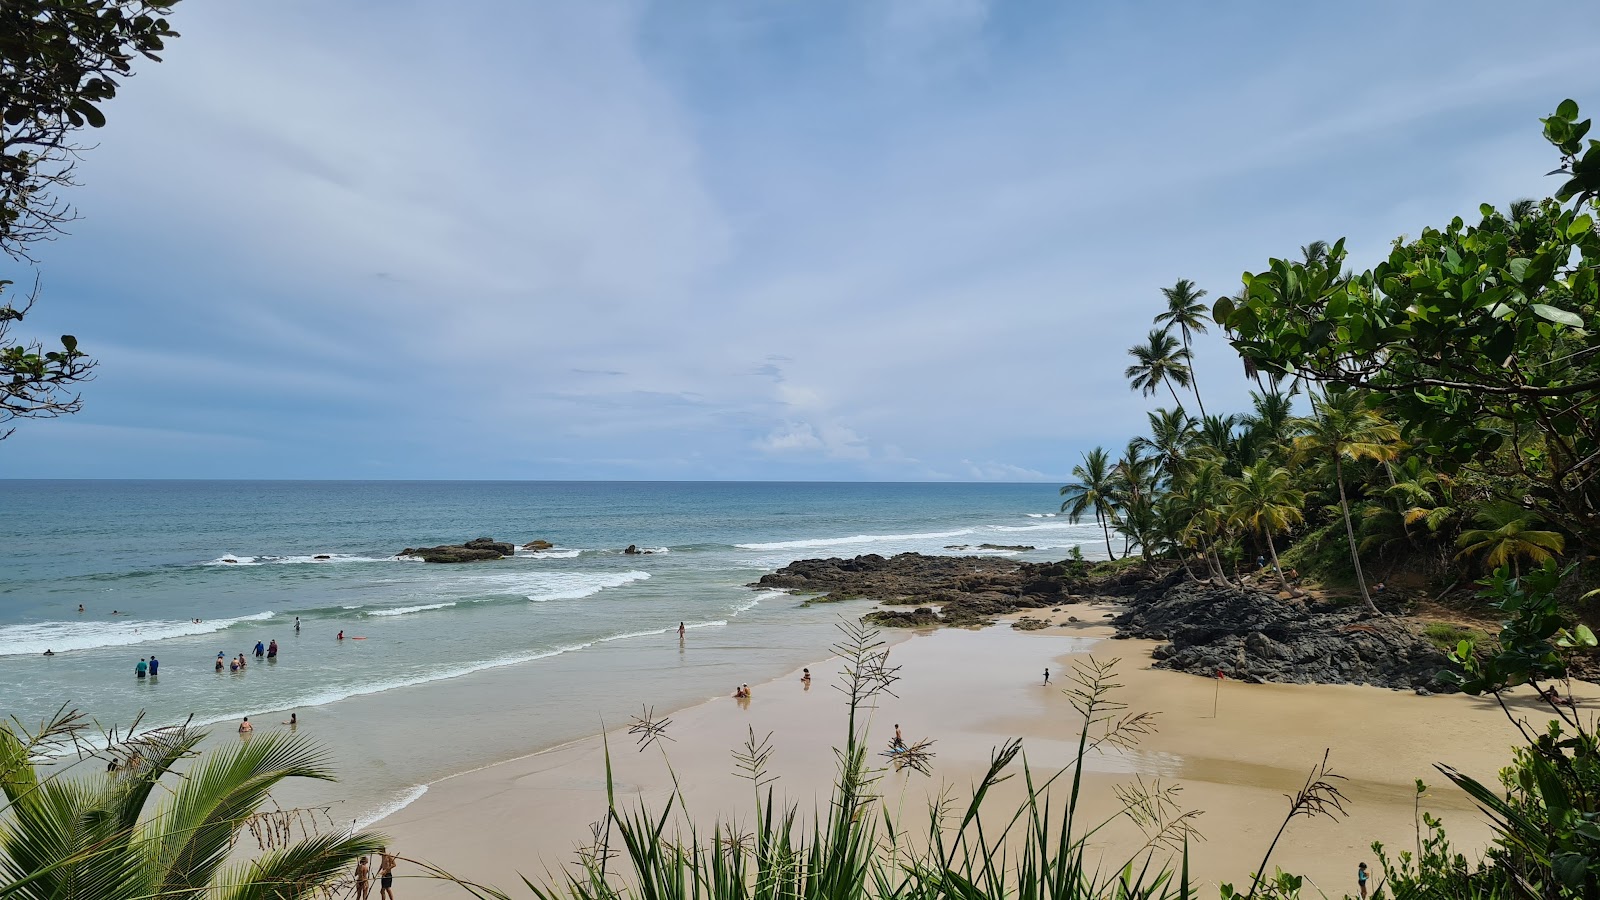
{"x": 472, "y": 551}
{"x": 633, "y": 550}
{"x": 921, "y": 617}
{"x": 968, "y": 590}
{"x": 322, "y": 556}
{"x": 1257, "y": 636}
{"x": 1026, "y": 624}
{"x": 537, "y": 545}
{"x": 1018, "y": 547}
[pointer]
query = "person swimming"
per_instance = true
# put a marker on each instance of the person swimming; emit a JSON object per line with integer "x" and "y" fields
{"x": 49, "y": 652}
{"x": 341, "y": 634}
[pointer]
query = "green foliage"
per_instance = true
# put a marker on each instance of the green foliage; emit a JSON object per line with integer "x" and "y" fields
{"x": 62, "y": 62}
{"x": 1474, "y": 336}
{"x": 143, "y": 830}
{"x": 1508, "y": 537}
{"x": 1534, "y": 644}
{"x": 1448, "y": 637}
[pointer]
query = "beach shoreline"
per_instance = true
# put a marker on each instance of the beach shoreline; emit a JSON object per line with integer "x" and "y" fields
{"x": 969, "y": 691}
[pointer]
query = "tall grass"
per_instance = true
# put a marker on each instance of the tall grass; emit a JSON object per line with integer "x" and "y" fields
{"x": 1037, "y": 850}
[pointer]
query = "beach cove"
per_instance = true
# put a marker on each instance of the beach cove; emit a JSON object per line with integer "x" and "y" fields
{"x": 969, "y": 691}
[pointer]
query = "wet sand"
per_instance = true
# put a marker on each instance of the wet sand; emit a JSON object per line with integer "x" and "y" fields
{"x": 970, "y": 691}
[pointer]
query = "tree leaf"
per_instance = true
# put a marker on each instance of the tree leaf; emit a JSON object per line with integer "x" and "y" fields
{"x": 1559, "y": 316}
{"x": 1580, "y": 226}
{"x": 1567, "y": 110}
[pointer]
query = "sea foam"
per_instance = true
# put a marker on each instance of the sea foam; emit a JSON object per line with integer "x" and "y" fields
{"x": 854, "y": 539}
{"x": 35, "y": 638}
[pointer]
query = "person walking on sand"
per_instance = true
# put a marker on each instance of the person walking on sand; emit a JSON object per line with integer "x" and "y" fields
{"x": 899, "y": 741}
{"x": 1047, "y": 675}
{"x": 805, "y": 676}
{"x": 386, "y": 866}
{"x": 141, "y": 668}
{"x": 1361, "y": 879}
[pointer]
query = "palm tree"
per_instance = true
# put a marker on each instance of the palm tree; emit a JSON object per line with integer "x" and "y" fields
{"x": 1217, "y": 440}
{"x": 1264, "y": 500}
{"x": 1094, "y": 490}
{"x": 1343, "y": 427}
{"x": 1508, "y": 536}
{"x": 1200, "y": 499}
{"x": 1140, "y": 525}
{"x": 1269, "y": 426}
{"x": 1161, "y": 361}
{"x": 1185, "y": 312}
{"x": 1172, "y": 435}
{"x": 1315, "y": 253}
{"x": 101, "y": 837}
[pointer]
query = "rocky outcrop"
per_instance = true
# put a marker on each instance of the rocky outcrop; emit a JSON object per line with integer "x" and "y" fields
{"x": 921, "y": 617}
{"x": 472, "y": 551}
{"x": 1256, "y": 636}
{"x": 537, "y": 545}
{"x": 968, "y": 590}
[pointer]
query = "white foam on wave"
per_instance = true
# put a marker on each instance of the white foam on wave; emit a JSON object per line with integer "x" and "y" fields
{"x": 541, "y": 587}
{"x": 854, "y": 539}
{"x": 398, "y": 802}
{"x": 33, "y": 639}
{"x": 753, "y": 601}
{"x": 406, "y": 610}
{"x": 229, "y": 559}
{"x": 554, "y": 553}
{"x": 1042, "y": 515}
{"x": 345, "y": 693}
{"x": 1049, "y": 526}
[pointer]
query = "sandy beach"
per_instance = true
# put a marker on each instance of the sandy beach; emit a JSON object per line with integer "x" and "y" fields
{"x": 970, "y": 691}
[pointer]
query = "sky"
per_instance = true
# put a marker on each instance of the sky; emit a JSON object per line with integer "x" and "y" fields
{"x": 879, "y": 240}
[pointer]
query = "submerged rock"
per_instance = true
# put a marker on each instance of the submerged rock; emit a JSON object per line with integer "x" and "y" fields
{"x": 537, "y": 545}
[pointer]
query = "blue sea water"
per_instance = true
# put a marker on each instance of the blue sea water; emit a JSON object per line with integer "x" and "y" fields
{"x": 538, "y": 645}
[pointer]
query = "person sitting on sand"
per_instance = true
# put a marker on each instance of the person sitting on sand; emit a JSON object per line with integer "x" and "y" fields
{"x": 245, "y": 727}
{"x": 1553, "y": 696}
{"x": 363, "y": 879}
{"x": 294, "y": 721}
{"x": 738, "y": 692}
{"x": 747, "y": 692}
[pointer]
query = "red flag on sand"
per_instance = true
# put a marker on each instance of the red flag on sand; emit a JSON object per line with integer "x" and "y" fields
{"x": 1220, "y": 676}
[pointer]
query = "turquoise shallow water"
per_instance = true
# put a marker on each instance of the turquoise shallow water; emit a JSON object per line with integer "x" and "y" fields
{"x": 459, "y": 665}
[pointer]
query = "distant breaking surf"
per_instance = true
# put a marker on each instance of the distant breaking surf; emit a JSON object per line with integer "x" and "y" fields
{"x": 61, "y": 637}
{"x": 855, "y": 539}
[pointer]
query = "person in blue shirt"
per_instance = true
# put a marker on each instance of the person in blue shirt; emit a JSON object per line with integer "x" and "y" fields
{"x": 1361, "y": 879}
{"x": 260, "y": 649}
{"x": 155, "y": 665}
{"x": 141, "y": 668}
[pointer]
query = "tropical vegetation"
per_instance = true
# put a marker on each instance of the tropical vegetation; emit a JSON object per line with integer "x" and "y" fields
{"x": 163, "y": 820}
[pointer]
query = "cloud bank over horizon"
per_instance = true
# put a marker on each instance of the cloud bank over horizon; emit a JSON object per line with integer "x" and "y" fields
{"x": 889, "y": 240}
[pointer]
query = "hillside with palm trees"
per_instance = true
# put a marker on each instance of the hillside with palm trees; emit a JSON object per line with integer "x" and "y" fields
{"x": 1412, "y": 428}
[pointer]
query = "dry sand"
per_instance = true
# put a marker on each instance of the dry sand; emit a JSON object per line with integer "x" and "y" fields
{"x": 970, "y": 691}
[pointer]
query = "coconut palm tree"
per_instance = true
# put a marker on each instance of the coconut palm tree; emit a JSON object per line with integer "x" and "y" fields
{"x": 1172, "y": 434}
{"x": 1269, "y": 426}
{"x": 1216, "y": 438}
{"x": 1508, "y": 535}
{"x": 1315, "y": 253}
{"x": 1263, "y": 500}
{"x": 1343, "y": 427}
{"x": 103, "y": 837}
{"x": 1200, "y": 502}
{"x": 1159, "y": 362}
{"x": 1095, "y": 490}
{"x": 1141, "y": 526}
{"x": 1186, "y": 313}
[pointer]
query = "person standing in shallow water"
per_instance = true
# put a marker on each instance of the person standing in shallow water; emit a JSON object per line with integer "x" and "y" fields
{"x": 155, "y": 666}
{"x": 141, "y": 668}
{"x": 681, "y": 631}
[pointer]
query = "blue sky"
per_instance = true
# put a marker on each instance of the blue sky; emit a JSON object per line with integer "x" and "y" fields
{"x": 864, "y": 239}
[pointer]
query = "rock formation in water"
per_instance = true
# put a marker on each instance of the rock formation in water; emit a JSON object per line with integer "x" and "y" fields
{"x": 472, "y": 551}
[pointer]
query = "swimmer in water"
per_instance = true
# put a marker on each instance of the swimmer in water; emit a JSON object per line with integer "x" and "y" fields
{"x": 341, "y": 635}
{"x": 49, "y": 652}
{"x": 80, "y": 607}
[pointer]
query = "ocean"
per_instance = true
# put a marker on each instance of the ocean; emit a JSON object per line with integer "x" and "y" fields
{"x": 445, "y": 667}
